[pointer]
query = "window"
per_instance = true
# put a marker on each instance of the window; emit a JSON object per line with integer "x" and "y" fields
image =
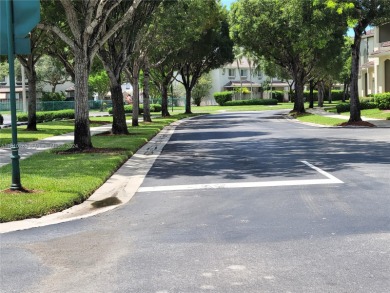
{"x": 232, "y": 73}
{"x": 243, "y": 73}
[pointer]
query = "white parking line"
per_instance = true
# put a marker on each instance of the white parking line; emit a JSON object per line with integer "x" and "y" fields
{"x": 330, "y": 180}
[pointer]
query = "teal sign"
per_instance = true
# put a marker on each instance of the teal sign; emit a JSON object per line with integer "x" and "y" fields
{"x": 25, "y": 15}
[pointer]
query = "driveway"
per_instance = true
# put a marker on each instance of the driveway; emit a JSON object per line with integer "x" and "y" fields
{"x": 236, "y": 202}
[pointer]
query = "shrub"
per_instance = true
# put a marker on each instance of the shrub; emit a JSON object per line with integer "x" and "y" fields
{"x": 382, "y": 100}
{"x": 346, "y": 107}
{"x": 222, "y": 97}
{"x": 252, "y": 102}
{"x": 129, "y": 109}
{"x": 278, "y": 95}
{"x": 48, "y": 96}
{"x": 337, "y": 95}
{"x": 306, "y": 96}
{"x": 48, "y": 116}
{"x": 155, "y": 108}
{"x": 1, "y": 119}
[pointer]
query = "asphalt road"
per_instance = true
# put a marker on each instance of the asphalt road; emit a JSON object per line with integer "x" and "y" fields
{"x": 237, "y": 202}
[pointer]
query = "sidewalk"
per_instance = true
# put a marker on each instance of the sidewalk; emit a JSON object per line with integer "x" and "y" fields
{"x": 377, "y": 122}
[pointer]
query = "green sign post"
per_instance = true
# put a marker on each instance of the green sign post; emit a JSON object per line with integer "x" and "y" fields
{"x": 17, "y": 19}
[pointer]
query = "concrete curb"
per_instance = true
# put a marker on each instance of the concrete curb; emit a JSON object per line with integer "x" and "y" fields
{"x": 116, "y": 191}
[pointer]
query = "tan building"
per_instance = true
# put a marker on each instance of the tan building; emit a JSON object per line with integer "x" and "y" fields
{"x": 374, "y": 74}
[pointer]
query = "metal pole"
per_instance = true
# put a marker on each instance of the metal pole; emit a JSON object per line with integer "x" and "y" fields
{"x": 16, "y": 185}
{"x": 24, "y": 95}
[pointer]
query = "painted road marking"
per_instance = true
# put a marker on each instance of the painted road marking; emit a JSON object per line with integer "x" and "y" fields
{"x": 330, "y": 180}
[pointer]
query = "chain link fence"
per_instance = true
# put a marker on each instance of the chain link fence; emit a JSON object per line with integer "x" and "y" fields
{"x": 5, "y": 105}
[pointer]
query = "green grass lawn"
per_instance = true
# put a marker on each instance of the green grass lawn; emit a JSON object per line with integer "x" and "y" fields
{"x": 373, "y": 113}
{"x": 60, "y": 181}
{"x": 318, "y": 119}
{"x": 45, "y": 130}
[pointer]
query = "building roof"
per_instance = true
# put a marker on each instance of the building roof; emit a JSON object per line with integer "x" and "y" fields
{"x": 244, "y": 83}
{"x": 383, "y": 51}
{"x": 368, "y": 64}
{"x": 243, "y": 63}
{"x": 17, "y": 90}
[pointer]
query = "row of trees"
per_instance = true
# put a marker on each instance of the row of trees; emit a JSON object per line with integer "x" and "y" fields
{"x": 306, "y": 38}
{"x": 128, "y": 37}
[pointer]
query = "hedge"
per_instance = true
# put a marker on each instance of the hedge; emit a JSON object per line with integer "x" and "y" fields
{"x": 222, "y": 97}
{"x": 346, "y": 107}
{"x": 129, "y": 108}
{"x": 48, "y": 115}
{"x": 252, "y": 102}
{"x": 278, "y": 95}
{"x": 382, "y": 100}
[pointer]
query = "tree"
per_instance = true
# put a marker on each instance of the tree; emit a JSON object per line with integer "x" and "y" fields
{"x": 100, "y": 83}
{"x": 294, "y": 34}
{"x": 213, "y": 49}
{"x": 29, "y": 63}
{"x": 3, "y": 70}
{"x": 182, "y": 39}
{"x": 201, "y": 89}
{"x": 51, "y": 71}
{"x": 84, "y": 31}
{"x": 116, "y": 54}
{"x": 361, "y": 13}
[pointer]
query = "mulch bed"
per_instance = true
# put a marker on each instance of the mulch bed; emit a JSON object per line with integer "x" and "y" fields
{"x": 357, "y": 124}
{"x": 21, "y": 191}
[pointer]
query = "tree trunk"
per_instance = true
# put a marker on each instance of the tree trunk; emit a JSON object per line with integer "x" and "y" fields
{"x": 119, "y": 125}
{"x": 146, "y": 114}
{"x": 311, "y": 95}
{"x": 299, "y": 105}
{"x": 135, "y": 114}
{"x": 354, "y": 98}
{"x": 32, "y": 96}
{"x": 330, "y": 94}
{"x": 188, "y": 101}
{"x": 321, "y": 90}
{"x": 164, "y": 101}
{"x": 82, "y": 134}
{"x": 344, "y": 91}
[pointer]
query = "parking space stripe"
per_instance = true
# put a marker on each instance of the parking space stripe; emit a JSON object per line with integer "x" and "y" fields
{"x": 330, "y": 180}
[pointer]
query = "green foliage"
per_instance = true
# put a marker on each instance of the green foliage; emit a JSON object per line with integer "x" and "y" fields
{"x": 222, "y": 97}
{"x": 50, "y": 71}
{"x": 263, "y": 102}
{"x": 129, "y": 108}
{"x": 243, "y": 90}
{"x": 382, "y": 100}
{"x": 3, "y": 70}
{"x": 201, "y": 89}
{"x": 46, "y": 96}
{"x": 48, "y": 116}
{"x": 278, "y": 95}
{"x": 99, "y": 82}
{"x": 293, "y": 34}
{"x": 306, "y": 95}
{"x": 155, "y": 108}
{"x": 364, "y": 104}
{"x": 1, "y": 119}
{"x": 337, "y": 95}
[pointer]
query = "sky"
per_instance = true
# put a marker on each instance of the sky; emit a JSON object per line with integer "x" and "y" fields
{"x": 227, "y": 2}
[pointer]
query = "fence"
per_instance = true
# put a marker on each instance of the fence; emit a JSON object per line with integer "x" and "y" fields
{"x": 54, "y": 105}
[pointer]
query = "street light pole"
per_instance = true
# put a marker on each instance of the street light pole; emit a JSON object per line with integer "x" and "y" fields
{"x": 15, "y": 185}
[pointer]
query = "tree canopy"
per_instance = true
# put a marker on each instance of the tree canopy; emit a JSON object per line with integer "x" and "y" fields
{"x": 294, "y": 34}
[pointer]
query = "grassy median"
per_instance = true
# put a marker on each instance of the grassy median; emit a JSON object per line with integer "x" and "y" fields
{"x": 59, "y": 181}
